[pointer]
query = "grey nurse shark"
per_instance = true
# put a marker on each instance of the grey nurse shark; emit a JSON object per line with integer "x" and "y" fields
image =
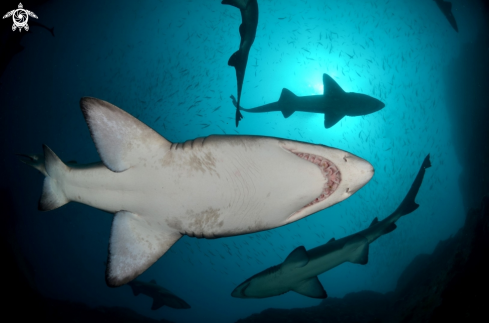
{"x": 209, "y": 187}
{"x": 334, "y": 103}
{"x": 161, "y": 296}
{"x": 299, "y": 271}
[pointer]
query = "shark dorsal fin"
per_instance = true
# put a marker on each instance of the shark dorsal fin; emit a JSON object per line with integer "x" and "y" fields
{"x": 375, "y": 221}
{"x": 311, "y": 288}
{"x": 331, "y": 240}
{"x": 296, "y": 259}
{"x": 331, "y": 88}
{"x": 153, "y": 282}
{"x": 129, "y": 256}
{"x": 330, "y": 119}
{"x": 286, "y": 101}
{"x": 120, "y": 138}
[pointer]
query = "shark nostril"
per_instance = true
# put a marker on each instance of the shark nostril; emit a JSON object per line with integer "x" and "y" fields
{"x": 344, "y": 158}
{"x": 347, "y": 189}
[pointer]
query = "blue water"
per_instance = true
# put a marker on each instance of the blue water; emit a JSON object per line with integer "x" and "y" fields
{"x": 156, "y": 59}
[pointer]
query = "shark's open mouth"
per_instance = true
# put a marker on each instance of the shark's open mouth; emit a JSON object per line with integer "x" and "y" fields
{"x": 330, "y": 173}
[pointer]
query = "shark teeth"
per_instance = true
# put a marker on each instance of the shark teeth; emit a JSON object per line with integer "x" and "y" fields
{"x": 330, "y": 173}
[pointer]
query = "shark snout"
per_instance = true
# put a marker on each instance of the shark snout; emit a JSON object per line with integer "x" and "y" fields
{"x": 239, "y": 292}
{"x": 357, "y": 173}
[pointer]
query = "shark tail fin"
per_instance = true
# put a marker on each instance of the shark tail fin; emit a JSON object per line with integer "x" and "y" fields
{"x": 408, "y": 205}
{"x": 286, "y": 101}
{"x": 52, "y": 195}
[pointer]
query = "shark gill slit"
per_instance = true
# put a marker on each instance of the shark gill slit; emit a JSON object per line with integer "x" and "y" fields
{"x": 330, "y": 172}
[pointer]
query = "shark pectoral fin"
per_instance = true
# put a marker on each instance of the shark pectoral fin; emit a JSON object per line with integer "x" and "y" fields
{"x": 286, "y": 102}
{"x": 296, "y": 259}
{"x": 360, "y": 256}
{"x": 135, "y": 290}
{"x": 120, "y": 138}
{"x": 331, "y": 88}
{"x": 330, "y": 119}
{"x": 134, "y": 245}
{"x": 157, "y": 303}
{"x": 311, "y": 288}
{"x": 234, "y": 60}
{"x": 390, "y": 228}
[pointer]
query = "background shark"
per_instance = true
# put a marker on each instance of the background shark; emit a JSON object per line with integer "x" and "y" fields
{"x": 161, "y": 296}
{"x": 334, "y": 103}
{"x": 207, "y": 188}
{"x": 446, "y": 9}
{"x": 299, "y": 271}
{"x": 247, "y": 31}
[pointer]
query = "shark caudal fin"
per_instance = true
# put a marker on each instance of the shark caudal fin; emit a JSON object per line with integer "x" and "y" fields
{"x": 53, "y": 168}
{"x": 286, "y": 102}
{"x": 332, "y": 91}
{"x": 408, "y": 205}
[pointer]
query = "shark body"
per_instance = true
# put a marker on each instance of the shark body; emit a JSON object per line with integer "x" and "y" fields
{"x": 247, "y": 31}
{"x": 300, "y": 269}
{"x": 207, "y": 188}
{"x": 334, "y": 103}
{"x": 446, "y": 9}
{"x": 161, "y": 296}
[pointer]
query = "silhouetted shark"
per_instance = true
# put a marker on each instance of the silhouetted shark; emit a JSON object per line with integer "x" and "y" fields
{"x": 11, "y": 46}
{"x": 334, "y": 103}
{"x": 300, "y": 269}
{"x": 247, "y": 31}
{"x": 161, "y": 296}
{"x": 209, "y": 187}
{"x": 446, "y": 9}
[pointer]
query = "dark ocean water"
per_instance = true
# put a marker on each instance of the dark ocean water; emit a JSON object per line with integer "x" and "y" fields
{"x": 165, "y": 62}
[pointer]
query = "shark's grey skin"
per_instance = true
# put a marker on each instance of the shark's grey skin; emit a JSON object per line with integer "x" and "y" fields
{"x": 334, "y": 103}
{"x": 446, "y": 9}
{"x": 247, "y": 31}
{"x": 161, "y": 296}
{"x": 207, "y": 188}
{"x": 299, "y": 271}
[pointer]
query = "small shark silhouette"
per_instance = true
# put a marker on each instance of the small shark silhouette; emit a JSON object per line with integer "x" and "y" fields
{"x": 161, "y": 296}
{"x": 334, "y": 103}
{"x": 10, "y": 45}
{"x": 247, "y": 31}
{"x": 300, "y": 269}
{"x": 209, "y": 187}
{"x": 446, "y": 9}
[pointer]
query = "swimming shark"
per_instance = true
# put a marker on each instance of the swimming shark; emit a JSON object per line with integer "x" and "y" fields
{"x": 299, "y": 271}
{"x": 161, "y": 296}
{"x": 209, "y": 187}
{"x": 334, "y": 103}
{"x": 446, "y": 9}
{"x": 247, "y": 31}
